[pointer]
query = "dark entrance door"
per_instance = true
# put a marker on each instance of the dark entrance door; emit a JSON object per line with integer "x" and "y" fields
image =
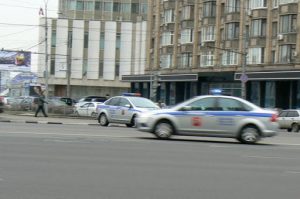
{"x": 180, "y": 91}
{"x": 283, "y": 94}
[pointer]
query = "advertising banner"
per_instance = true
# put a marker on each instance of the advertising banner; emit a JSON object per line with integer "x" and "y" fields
{"x": 15, "y": 60}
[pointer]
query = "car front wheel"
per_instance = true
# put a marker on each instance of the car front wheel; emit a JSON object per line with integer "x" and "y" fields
{"x": 102, "y": 119}
{"x": 133, "y": 122}
{"x": 163, "y": 130}
{"x": 249, "y": 135}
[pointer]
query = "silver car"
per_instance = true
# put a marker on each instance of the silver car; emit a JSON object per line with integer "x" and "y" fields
{"x": 212, "y": 116}
{"x": 289, "y": 119}
{"x": 123, "y": 110}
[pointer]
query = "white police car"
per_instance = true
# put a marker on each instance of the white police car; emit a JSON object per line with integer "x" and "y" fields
{"x": 124, "y": 109}
{"x": 212, "y": 116}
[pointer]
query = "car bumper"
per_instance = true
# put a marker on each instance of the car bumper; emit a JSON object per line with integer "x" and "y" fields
{"x": 144, "y": 125}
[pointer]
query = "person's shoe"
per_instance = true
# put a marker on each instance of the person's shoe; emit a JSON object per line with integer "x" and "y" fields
{"x": 46, "y": 115}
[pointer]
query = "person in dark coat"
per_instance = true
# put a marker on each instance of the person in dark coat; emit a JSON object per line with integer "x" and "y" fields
{"x": 40, "y": 102}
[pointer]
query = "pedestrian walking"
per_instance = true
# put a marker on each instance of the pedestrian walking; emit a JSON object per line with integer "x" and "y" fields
{"x": 40, "y": 102}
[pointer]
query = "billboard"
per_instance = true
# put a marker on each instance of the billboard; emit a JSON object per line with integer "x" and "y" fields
{"x": 15, "y": 60}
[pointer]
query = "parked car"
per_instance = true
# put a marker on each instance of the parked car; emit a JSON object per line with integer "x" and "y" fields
{"x": 69, "y": 101}
{"x": 92, "y": 98}
{"x": 87, "y": 109}
{"x": 28, "y": 103}
{"x": 123, "y": 110}
{"x": 1, "y": 104}
{"x": 211, "y": 116}
{"x": 289, "y": 119}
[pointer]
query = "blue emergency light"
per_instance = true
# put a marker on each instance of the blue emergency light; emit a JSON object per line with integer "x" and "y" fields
{"x": 216, "y": 91}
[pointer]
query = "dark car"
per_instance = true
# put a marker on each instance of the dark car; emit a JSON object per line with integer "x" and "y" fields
{"x": 69, "y": 101}
{"x": 1, "y": 104}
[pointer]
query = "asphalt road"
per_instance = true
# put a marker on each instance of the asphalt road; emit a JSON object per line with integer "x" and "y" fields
{"x": 50, "y": 161}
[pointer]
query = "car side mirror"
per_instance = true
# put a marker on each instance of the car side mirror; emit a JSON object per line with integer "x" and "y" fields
{"x": 128, "y": 105}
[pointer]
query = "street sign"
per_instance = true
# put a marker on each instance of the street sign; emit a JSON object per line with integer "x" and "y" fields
{"x": 244, "y": 78}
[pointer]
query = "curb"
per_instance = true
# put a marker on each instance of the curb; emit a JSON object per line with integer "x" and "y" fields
{"x": 45, "y": 122}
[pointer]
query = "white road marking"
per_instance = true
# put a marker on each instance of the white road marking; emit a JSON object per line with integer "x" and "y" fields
{"x": 271, "y": 157}
{"x": 293, "y": 172}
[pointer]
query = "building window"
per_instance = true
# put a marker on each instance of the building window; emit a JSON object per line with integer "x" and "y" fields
{"x": 208, "y": 33}
{"x": 79, "y": 5}
{"x": 144, "y": 8}
{"x": 229, "y": 58}
{"x": 52, "y": 65}
{"x": 84, "y": 67}
{"x": 101, "y": 69}
{"x": 135, "y": 8}
{"x": 88, "y": 5}
{"x": 209, "y": 9}
{"x": 169, "y": 16}
{"x": 117, "y": 69}
{"x": 117, "y": 7}
{"x": 287, "y": 53}
{"x": 186, "y": 60}
{"x": 166, "y": 61}
{"x": 86, "y": 39}
{"x": 207, "y": 59}
{"x": 187, "y": 13}
{"x": 70, "y": 38}
{"x": 53, "y": 39}
{"x": 186, "y": 36}
{"x": 273, "y": 56}
{"x": 232, "y": 6}
{"x": 102, "y": 40}
{"x": 256, "y": 56}
{"x": 118, "y": 41}
{"x": 287, "y": 1}
{"x": 167, "y": 38}
{"x": 255, "y": 4}
{"x": 274, "y": 29}
{"x": 72, "y": 5}
{"x": 275, "y": 3}
{"x": 98, "y": 5}
{"x": 126, "y": 8}
{"x": 258, "y": 27}
{"x": 288, "y": 23}
{"x": 232, "y": 30}
{"x": 270, "y": 95}
{"x": 108, "y": 6}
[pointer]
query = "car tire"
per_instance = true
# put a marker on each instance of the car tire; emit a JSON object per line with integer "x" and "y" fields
{"x": 295, "y": 128}
{"x": 132, "y": 122}
{"x": 102, "y": 119}
{"x": 163, "y": 130}
{"x": 249, "y": 135}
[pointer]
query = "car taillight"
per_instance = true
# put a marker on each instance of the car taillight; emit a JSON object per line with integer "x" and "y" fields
{"x": 274, "y": 118}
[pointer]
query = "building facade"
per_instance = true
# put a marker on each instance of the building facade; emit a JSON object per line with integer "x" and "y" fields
{"x": 91, "y": 45}
{"x": 194, "y": 46}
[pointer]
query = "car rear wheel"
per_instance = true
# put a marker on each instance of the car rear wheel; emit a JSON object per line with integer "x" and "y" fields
{"x": 295, "y": 127}
{"x": 249, "y": 135}
{"x": 102, "y": 119}
{"x": 163, "y": 130}
{"x": 133, "y": 122}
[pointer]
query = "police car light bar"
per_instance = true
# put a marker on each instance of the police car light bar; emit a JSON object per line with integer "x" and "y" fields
{"x": 216, "y": 91}
{"x": 132, "y": 94}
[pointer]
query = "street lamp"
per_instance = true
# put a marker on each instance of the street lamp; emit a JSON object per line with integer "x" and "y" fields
{"x": 46, "y": 55}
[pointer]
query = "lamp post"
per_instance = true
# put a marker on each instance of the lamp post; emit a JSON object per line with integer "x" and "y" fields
{"x": 46, "y": 55}
{"x": 244, "y": 77}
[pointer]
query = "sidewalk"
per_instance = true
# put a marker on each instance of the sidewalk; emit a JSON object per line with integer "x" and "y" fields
{"x": 28, "y": 117}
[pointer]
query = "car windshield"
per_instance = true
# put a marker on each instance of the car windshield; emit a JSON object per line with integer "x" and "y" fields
{"x": 143, "y": 102}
